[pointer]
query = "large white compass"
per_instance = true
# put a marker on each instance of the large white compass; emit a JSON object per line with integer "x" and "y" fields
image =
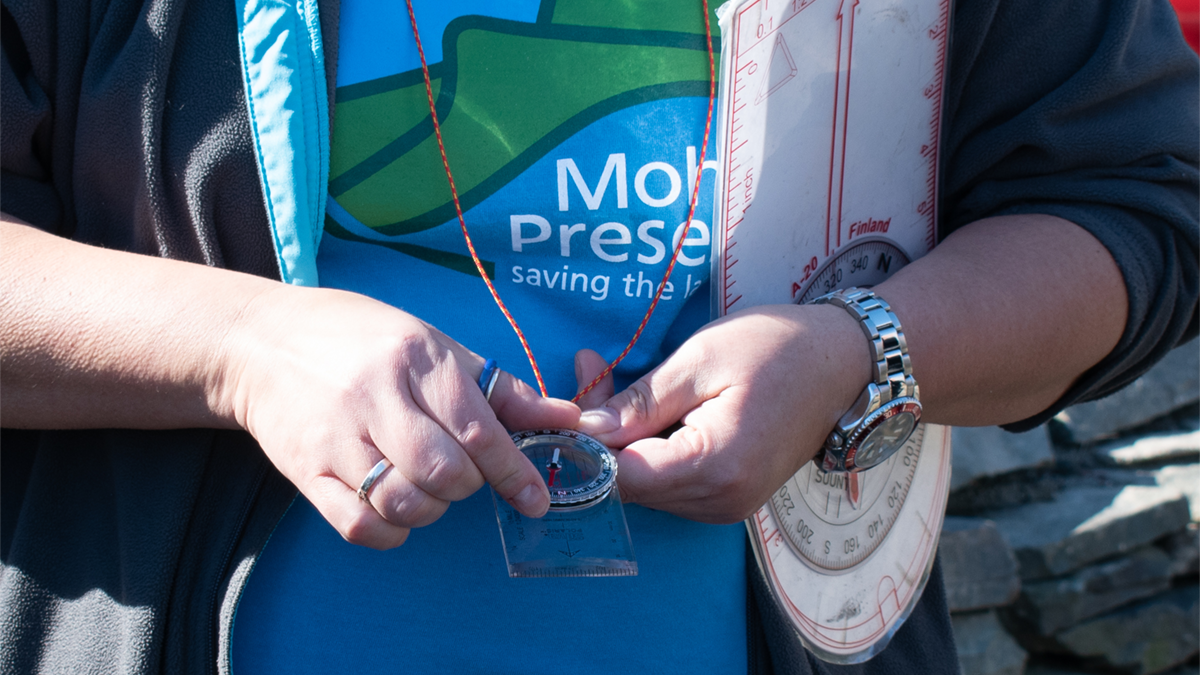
{"x": 829, "y": 124}
{"x": 847, "y": 555}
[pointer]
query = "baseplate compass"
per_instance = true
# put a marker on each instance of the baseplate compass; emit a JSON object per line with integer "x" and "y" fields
{"x": 584, "y": 534}
{"x": 828, "y": 127}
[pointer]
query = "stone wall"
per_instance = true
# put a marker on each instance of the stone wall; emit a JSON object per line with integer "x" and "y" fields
{"x": 1074, "y": 548}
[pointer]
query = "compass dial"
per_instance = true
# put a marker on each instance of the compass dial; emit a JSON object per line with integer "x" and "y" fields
{"x": 578, "y": 469}
{"x": 835, "y": 521}
{"x": 865, "y": 263}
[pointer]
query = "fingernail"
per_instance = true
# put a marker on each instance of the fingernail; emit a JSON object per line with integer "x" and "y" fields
{"x": 599, "y": 421}
{"x": 532, "y": 501}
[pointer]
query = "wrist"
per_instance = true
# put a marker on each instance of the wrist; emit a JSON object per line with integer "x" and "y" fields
{"x": 232, "y": 374}
{"x": 840, "y": 355}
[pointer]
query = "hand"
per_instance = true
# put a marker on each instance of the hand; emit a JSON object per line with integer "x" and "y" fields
{"x": 331, "y": 382}
{"x": 756, "y": 393}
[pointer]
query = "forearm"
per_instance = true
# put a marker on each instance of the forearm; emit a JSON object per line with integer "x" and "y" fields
{"x": 1004, "y": 315}
{"x": 329, "y": 383}
{"x": 91, "y": 337}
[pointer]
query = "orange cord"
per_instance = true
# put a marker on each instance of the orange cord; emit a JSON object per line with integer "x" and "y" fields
{"x": 437, "y": 129}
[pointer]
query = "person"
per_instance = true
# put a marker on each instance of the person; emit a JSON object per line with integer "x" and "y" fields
{"x": 180, "y": 402}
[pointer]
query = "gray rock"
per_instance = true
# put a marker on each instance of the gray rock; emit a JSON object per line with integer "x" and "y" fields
{"x": 1159, "y": 448}
{"x": 1188, "y": 418}
{"x": 984, "y": 648}
{"x": 977, "y": 564}
{"x": 1150, "y": 637}
{"x": 1042, "y": 669}
{"x": 1071, "y": 669}
{"x": 1086, "y": 524}
{"x": 1046, "y": 607}
{"x": 1186, "y": 479}
{"x": 992, "y": 451}
{"x": 1184, "y": 550}
{"x": 1172, "y": 383}
{"x": 1005, "y": 492}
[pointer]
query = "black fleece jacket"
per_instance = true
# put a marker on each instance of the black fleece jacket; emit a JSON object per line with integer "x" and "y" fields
{"x": 124, "y": 125}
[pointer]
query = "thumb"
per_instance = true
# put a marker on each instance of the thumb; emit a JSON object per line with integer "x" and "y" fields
{"x": 588, "y": 365}
{"x": 656, "y": 401}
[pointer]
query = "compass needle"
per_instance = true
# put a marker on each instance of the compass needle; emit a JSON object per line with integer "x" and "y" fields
{"x": 553, "y": 467}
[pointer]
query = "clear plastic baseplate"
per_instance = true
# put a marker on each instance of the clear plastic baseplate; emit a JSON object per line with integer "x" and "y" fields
{"x": 585, "y": 533}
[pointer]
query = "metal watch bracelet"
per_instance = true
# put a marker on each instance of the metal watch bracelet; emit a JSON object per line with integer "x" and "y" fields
{"x": 887, "y": 411}
{"x": 889, "y": 350}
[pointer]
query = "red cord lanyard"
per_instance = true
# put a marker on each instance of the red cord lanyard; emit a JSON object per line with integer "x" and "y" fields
{"x": 437, "y": 129}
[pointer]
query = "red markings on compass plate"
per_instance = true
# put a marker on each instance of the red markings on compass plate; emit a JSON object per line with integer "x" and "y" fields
{"x": 888, "y": 599}
{"x": 938, "y": 33}
{"x": 773, "y": 538}
{"x": 754, "y": 28}
{"x": 841, "y": 111}
{"x": 756, "y": 24}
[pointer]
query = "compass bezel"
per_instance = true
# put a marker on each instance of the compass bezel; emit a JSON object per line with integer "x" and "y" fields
{"x": 578, "y": 495}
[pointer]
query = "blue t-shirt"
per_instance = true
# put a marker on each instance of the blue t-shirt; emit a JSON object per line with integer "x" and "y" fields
{"x": 573, "y": 130}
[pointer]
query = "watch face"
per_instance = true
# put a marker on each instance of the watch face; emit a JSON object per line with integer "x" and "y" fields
{"x": 892, "y": 426}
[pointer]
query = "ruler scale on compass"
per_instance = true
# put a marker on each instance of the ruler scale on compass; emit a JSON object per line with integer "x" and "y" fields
{"x": 828, "y": 127}
{"x": 584, "y": 534}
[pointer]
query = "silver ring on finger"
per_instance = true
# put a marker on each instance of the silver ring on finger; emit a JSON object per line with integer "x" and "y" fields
{"x": 487, "y": 379}
{"x": 364, "y": 489}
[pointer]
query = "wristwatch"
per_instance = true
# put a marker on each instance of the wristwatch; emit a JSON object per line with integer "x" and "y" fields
{"x": 887, "y": 411}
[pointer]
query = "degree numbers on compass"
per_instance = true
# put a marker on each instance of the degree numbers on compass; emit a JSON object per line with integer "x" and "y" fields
{"x": 834, "y": 521}
{"x": 864, "y": 263}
